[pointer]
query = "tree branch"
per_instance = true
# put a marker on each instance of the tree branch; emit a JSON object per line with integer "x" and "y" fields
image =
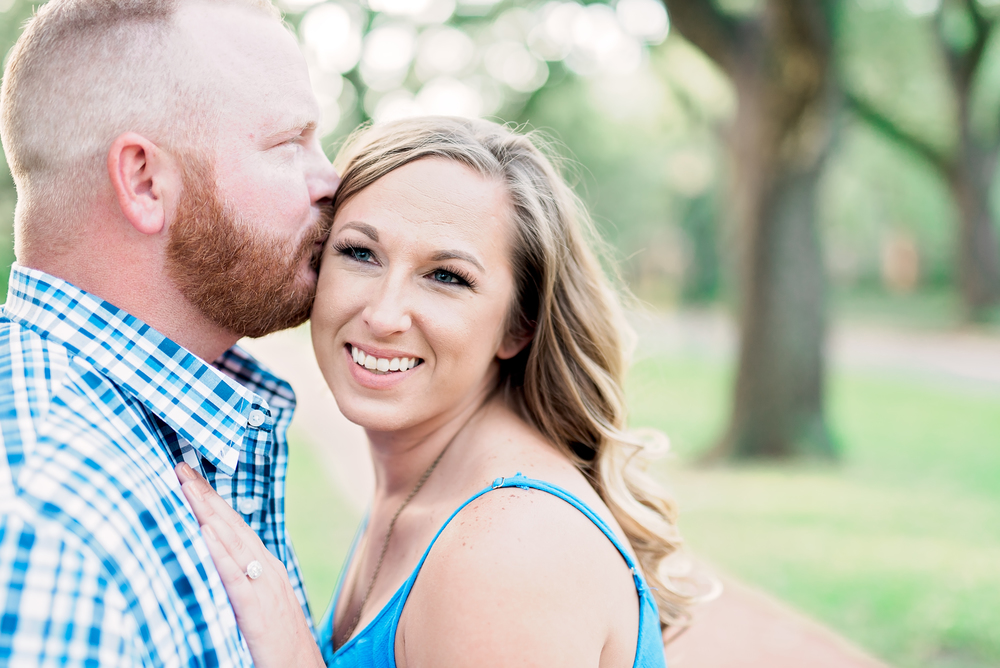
{"x": 706, "y": 27}
{"x": 982, "y": 23}
{"x": 963, "y": 65}
{"x": 888, "y": 128}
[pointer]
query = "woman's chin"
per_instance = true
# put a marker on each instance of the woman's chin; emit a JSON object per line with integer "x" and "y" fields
{"x": 373, "y": 418}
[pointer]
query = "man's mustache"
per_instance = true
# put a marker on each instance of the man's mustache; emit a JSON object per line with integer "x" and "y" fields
{"x": 315, "y": 240}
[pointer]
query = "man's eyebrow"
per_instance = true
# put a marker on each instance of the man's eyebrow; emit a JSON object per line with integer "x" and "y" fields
{"x": 299, "y": 126}
{"x": 457, "y": 255}
{"x": 364, "y": 228}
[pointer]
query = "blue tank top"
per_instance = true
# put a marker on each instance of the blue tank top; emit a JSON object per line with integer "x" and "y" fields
{"x": 374, "y": 646}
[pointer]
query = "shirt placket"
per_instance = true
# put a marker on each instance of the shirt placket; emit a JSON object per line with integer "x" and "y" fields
{"x": 254, "y": 491}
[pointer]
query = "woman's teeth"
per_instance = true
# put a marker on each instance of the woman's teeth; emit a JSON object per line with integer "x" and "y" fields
{"x": 381, "y": 364}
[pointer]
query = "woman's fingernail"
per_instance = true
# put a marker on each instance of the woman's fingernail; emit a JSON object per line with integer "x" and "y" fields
{"x": 209, "y": 532}
{"x": 185, "y": 472}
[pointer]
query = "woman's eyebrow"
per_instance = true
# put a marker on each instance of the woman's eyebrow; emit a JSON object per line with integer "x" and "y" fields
{"x": 364, "y": 228}
{"x": 457, "y": 255}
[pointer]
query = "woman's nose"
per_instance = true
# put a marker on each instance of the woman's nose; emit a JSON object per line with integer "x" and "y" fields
{"x": 387, "y": 313}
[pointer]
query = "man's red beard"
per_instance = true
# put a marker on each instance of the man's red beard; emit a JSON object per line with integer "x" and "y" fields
{"x": 241, "y": 279}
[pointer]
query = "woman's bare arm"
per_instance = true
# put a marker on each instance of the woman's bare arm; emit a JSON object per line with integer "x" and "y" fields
{"x": 267, "y": 609}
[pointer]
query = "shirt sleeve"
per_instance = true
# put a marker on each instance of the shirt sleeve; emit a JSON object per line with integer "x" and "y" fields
{"x": 59, "y": 608}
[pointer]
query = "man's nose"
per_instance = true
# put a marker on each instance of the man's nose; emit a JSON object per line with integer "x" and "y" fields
{"x": 322, "y": 179}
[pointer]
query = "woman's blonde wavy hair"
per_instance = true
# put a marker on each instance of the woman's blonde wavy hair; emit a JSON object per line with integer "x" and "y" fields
{"x": 567, "y": 382}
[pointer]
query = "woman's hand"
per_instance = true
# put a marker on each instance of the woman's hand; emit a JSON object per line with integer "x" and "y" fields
{"x": 267, "y": 609}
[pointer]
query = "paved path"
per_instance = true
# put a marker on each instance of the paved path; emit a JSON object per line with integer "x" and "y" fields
{"x": 961, "y": 355}
{"x": 743, "y": 628}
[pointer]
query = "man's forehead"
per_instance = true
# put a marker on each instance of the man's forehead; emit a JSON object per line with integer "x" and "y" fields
{"x": 249, "y": 61}
{"x": 233, "y": 36}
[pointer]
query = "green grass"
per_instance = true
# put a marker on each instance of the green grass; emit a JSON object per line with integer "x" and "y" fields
{"x": 898, "y": 547}
{"x": 320, "y": 522}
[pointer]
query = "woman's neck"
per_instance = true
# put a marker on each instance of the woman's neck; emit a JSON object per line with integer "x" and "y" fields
{"x": 401, "y": 457}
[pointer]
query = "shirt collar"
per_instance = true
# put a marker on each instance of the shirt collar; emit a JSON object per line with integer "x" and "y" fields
{"x": 204, "y": 406}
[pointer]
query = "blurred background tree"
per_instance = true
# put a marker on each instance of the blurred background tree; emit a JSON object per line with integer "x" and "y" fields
{"x": 963, "y": 54}
{"x": 778, "y": 56}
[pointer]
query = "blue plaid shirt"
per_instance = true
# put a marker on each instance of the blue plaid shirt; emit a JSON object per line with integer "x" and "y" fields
{"x": 101, "y": 562}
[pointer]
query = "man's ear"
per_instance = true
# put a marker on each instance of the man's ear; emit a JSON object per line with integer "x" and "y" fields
{"x": 512, "y": 344}
{"x": 141, "y": 174}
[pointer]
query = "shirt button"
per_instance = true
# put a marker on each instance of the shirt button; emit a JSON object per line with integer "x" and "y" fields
{"x": 256, "y": 418}
{"x": 247, "y": 505}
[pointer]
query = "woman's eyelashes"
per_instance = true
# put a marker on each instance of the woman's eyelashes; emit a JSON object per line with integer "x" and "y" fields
{"x": 453, "y": 276}
{"x": 353, "y": 252}
{"x": 447, "y": 275}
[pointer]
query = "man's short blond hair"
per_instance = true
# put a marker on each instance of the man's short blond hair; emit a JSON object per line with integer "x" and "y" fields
{"x": 82, "y": 73}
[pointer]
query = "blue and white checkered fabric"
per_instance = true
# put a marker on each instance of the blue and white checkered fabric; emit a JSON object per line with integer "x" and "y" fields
{"x": 101, "y": 562}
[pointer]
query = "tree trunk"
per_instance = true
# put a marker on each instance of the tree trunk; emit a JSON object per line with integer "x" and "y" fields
{"x": 970, "y": 176}
{"x": 779, "y": 141}
{"x": 779, "y": 62}
{"x": 778, "y": 400}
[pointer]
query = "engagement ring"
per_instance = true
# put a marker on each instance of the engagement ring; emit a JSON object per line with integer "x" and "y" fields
{"x": 254, "y": 569}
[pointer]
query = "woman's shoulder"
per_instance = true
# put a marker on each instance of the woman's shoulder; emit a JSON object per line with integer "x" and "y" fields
{"x": 519, "y": 571}
{"x": 542, "y": 518}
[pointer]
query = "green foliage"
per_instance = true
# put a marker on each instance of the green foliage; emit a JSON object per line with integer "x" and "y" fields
{"x": 740, "y": 8}
{"x": 651, "y": 164}
{"x": 874, "y": 188}
{"x": 958, "y": 27}
{"x": 7, "y": 201}
{"x": 897, "y": 548}
{"x": 891, "y": 59}
{"x": 619, "y": 158}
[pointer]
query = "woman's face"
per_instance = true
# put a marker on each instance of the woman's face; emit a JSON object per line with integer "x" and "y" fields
{"x": 413, "y": 294}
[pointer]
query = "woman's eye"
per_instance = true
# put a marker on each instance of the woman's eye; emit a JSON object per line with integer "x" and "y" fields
{"x": 357, "y": 253}
{"x": 443, "y": 276}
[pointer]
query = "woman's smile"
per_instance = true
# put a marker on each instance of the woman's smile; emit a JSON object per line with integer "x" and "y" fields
{"x": 370, "y": 372}
{"x": 381, "y": 365}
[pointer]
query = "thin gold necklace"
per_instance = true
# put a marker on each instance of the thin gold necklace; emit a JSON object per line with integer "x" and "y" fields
{"x": 388, "y": 535}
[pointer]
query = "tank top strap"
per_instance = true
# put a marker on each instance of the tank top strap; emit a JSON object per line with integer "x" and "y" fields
{"x": 405, "y": 590}
{"x": 520, "y": 481}
{"x": 649, "y": 643}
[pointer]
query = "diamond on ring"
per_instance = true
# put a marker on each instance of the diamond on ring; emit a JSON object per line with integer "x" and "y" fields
{"x": 254, "y": 569}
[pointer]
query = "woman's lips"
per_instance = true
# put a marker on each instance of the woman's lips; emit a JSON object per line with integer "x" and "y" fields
{"x": 382, "y": 365}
